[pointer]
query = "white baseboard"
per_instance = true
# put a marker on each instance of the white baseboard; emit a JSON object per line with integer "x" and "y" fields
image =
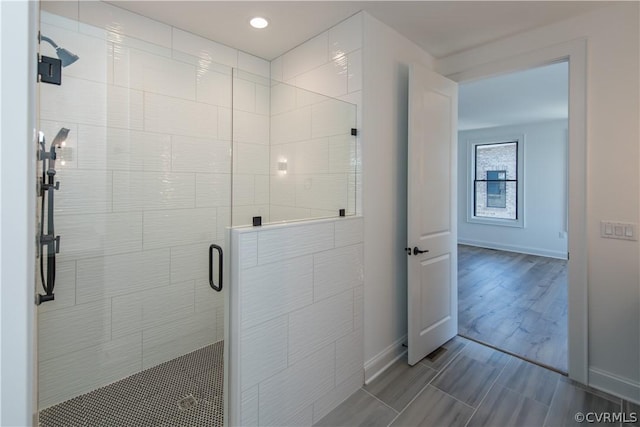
{"x": 380, "y": 362}
{"x": 613, "y": 384}
{"x": 514, "y": 248}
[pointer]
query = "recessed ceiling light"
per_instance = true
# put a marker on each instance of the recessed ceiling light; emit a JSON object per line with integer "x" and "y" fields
{"x": 259, "y": 22}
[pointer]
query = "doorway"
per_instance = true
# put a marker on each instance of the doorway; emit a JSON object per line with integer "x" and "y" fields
{"x": 513, "y": 213}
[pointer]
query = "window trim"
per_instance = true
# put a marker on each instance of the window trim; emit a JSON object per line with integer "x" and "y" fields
{"x": 519, "y": 222}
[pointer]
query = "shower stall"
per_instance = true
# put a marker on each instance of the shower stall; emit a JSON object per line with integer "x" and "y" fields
{"x": 170, "y": 146}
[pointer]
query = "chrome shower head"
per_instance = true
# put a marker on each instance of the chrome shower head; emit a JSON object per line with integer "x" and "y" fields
{"x": 65, "y": 56}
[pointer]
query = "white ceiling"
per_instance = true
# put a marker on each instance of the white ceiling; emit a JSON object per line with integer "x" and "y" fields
{"x": 526, "y": 96}
{"x": 439, "y": 27}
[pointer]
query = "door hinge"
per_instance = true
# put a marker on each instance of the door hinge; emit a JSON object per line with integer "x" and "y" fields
{"x": 49, "y": 70}
{"x": 567, "y": 256}
{"x": 354, "y": 131}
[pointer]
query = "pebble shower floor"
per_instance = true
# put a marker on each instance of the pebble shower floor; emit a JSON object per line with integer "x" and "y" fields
{"x": 186, "y": 391}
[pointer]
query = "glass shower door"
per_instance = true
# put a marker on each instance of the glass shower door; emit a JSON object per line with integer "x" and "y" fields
{"x": 134, "y": 334}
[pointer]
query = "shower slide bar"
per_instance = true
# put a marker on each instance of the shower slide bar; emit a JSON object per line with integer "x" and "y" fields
{"x": 48, "y": 186}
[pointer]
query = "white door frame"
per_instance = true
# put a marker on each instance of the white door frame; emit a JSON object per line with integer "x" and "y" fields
{"x": 575, "y": 51}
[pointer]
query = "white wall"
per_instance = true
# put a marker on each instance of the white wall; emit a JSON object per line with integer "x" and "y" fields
{"x": 544, "y": 195}
{"x": 145, "y": 188}
{"x": 386, "y": 59}
{"x": 17, "y": 204}
{"x": 613, "y": 180}
{"x": 296, "y": 307}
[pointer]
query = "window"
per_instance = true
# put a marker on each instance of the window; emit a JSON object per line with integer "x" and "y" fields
{"x": 496, "y": 182}
{"x": 496, "y": 189}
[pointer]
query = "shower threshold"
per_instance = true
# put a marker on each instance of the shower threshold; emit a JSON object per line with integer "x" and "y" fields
{"x": 186, "y": 391}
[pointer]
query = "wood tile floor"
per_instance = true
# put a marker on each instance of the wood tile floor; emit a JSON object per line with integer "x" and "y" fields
{"x": 515, "y": 302}
{"x": 469, "y": 384}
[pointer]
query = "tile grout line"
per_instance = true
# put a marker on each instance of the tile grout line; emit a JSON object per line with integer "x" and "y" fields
{"x": 439, "y": 372}
{"x": 455, "y": 398}
{"x": 377, "y": 398}
{"x": 555, "y": 391}
{"x": 414, "y": 398}
{"x": 445, "y": 366}
{"x": 485, "y": 395}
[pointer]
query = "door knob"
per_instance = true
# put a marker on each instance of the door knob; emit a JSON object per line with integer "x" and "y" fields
{"x": 417, "y": 251}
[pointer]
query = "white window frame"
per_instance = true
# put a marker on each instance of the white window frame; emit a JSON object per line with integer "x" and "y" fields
{"x": 471, "y": 158}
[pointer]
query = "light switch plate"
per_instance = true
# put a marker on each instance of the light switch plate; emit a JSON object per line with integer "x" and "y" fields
{"x": 618, "y": 230}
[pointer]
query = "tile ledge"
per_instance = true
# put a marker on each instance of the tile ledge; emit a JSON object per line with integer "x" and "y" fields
{"x": 286, "y": 224}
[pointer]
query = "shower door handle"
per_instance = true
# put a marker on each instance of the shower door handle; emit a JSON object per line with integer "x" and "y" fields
{"x": 217, "y": 288}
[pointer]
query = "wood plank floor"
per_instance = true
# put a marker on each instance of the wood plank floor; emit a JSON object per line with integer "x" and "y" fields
{"x": 515, "y": 302}
{"x": 469, "y": 384}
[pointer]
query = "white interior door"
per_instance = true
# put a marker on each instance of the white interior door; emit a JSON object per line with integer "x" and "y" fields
{"x": 432, "y": 231}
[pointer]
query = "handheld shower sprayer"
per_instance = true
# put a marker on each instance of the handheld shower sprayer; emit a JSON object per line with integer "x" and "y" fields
{"x": 48, "y": 185}
{"x": 50, "y": 154}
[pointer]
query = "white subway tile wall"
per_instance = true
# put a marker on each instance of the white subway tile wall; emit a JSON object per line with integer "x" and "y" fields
{"x": 145, "y": 188}
{"x": 269, "y": 340}
{"x": 167, "y": 341}
{"x": 312, "y": 154}
{"x": 335, "y": 272}
{"x": 297, "y": 301}
{"x": 204, "y": 49}
{"x": 307, "y": 56}
{"x": 73, "y": 329}
{"x": 103, "y": 15}
{"x": 81, "y": 370}
{"x": 343, "y": 389}
{"x": 346, "y": 37}
{"x": 311, "y": 132}
{"x": 309, "y": 154}
{"x": 251, "y": 127}
{"x": 249, "y": 405}
{"x": 65, "y": 287}
{"x": 275, "y": 289}
{"x": 291, "y": 393}
{"x": 314, "y": 327}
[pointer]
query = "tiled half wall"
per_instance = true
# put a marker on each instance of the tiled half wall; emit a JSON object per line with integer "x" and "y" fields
{"x": 296, "y": 307}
